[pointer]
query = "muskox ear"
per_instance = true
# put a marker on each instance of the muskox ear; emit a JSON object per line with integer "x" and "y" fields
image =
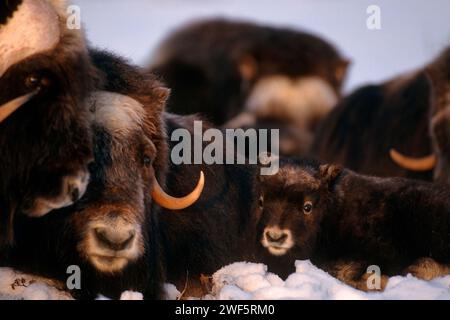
{"x": 248, "y": 67}
{"x": 341, "y": 70}
{"x": 162, "y": 94}
{"x": 329, "y": 173}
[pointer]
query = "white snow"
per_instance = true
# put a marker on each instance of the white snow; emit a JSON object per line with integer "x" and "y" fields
{"x": 16, "y": 285}
{"x": 251, "y": 281}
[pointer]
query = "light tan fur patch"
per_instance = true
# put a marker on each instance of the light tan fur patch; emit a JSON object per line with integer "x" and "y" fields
{"x": 428, "y": 269}
{"x": 300, "y": 100}
{"x": 119, "y": 114}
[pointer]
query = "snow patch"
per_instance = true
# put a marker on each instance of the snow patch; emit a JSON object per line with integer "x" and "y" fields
{"x": 15, "y": 285}
{"x": 250, "y": 281}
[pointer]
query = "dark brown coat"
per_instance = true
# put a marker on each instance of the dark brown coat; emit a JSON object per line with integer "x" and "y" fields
{"x": 213, "y": 66}
{"x": 345, "y": 222}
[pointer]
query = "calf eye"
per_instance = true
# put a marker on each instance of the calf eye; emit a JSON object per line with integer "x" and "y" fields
{"x": 307, "y": 207}
{"x": 147, "y": 161}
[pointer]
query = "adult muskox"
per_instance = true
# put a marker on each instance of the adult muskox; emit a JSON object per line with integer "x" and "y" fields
{"x": 373, "y": 129}
{"x": 218, "y": 68}
{"x": 45, "y": 136}
{"x": 345, "y": 222}
{"x": 115, "y": 233}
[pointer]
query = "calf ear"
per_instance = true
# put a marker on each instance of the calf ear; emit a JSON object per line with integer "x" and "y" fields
{"x": 162, "y": 94}
{"x": 329, "y": 173}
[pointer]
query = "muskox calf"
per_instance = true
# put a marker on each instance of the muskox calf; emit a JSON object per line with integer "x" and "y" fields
{"x": 45, "y": 135}
{"x": 219, "y": 68}
{"x": 345, "y": 222}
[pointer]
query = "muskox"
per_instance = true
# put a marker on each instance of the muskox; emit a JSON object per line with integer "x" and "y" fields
{"x": 45, "y": 136}
{"x": 219, "y": 68}
{"x": 117, "y": 233}
{"x": 344, "y": 222}
{"x": 379, "y": 128}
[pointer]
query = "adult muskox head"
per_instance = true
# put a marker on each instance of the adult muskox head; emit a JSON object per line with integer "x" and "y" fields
{"x": 45, "y": 136}
{"x": 438, "y": 73}
{"x": 112, "y": 228}
{"x": 112, "y": 232}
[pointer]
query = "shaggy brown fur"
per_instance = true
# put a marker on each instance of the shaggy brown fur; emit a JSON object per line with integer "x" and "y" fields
{"x": 197, "y": 240}
{"x": 212, "y": 66}
{"x": 409, "y": 113}
{"x": 345, "y": 222}
{"x": 112, "y": 232}
{"x": 49, "y": 138}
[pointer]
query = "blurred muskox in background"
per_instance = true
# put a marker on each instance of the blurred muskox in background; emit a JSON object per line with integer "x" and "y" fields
{"x": 391, "y": 129}
{"x": 242, "y": 75}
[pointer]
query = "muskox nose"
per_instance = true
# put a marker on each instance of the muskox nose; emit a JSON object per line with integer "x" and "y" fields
{"x": 276, "y": 236}
{"x": 114, "y": 239}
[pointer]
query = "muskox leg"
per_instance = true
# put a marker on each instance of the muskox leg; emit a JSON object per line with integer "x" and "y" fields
{"x": 354, "y": 273}
{"x": 428, "y": 269}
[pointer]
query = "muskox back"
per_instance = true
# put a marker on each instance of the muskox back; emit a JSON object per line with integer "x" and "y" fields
{"x": 219, "y": 228}
{"x": 213, "y": 66}
{"x": 360, "y": 132}
{"x": 397, "y": 128}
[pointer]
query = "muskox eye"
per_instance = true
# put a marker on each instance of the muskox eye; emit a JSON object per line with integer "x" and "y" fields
{"x": 307, "y": 207}
{"x": 261, "y": 202}
{"x": 147, "y": 161}
{"x": 32, "y": 81}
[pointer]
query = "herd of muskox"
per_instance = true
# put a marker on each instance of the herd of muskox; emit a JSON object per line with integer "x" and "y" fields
{"x": 86, "y": 176}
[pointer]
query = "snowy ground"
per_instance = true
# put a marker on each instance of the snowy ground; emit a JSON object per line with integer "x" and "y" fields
{"x": 253, "y": 282}
{"x": 249, "y": 281}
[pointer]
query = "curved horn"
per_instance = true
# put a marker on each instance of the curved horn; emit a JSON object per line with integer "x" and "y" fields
{"x": 171, "y": 203}
{"x": 414, "y": 164}
{"x": 8, "y": 108}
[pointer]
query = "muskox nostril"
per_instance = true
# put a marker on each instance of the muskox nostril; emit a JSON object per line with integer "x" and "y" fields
{"x": 114, "y": 240}
{"x": 75, "y": 194}
{"x": 276, "y": 237}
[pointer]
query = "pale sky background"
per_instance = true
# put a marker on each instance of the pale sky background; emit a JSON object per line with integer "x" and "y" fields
{"x": 413, "y": 31}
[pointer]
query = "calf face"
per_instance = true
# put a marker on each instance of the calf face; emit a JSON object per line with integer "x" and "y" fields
{"x": 45, "y": 136}
{"x": 294, "y": 203}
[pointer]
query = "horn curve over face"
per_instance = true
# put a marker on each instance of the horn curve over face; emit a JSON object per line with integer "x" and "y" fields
{"x": 172, "y": 203}
{"x": 8, "y": 108}
{"x": 414, "y": 164}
